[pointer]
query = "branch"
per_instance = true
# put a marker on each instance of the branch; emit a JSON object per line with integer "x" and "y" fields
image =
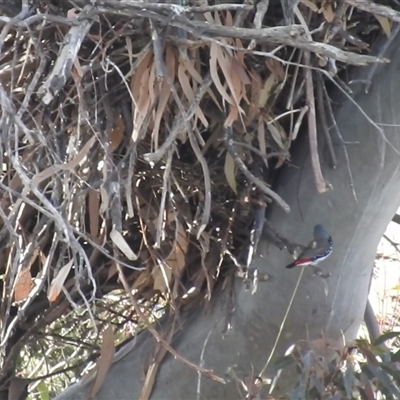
{"x": 63, "y": 66}
{"x": 282, "y": 35}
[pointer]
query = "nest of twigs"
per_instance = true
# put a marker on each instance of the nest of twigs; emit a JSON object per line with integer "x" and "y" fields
{"x": 137, "y": 140}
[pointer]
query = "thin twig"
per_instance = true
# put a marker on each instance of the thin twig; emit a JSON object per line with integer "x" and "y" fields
{"x": 242, "y": 166}
{"x": 210, "y": 374}
{"x": 320, "y": 183}
{"x": 179, "y": 123}
{"x": 278, "y": 336}
{"x": 327, "y": 102}
{"x": 375, "y": 9}
{"x": 323, "y": 120}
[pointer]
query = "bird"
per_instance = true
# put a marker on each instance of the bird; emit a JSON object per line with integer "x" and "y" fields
{"x": 317, "y": 250}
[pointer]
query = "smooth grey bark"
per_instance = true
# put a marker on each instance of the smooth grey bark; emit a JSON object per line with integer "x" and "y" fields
{"x": 356, "y": 227}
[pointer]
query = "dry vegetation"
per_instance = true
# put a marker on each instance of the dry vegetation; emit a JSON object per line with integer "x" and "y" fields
{"x": 137, "y": 143}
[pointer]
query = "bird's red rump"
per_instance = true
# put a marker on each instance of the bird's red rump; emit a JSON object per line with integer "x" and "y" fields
{"x": 302, "y": 261}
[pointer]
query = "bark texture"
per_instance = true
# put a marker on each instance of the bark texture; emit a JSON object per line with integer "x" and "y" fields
{"x": 356, "y": 228}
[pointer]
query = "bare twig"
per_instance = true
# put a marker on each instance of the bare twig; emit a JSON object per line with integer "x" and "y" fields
{"x": 158, "y": 337}
{"x": 63, "y": 66}
{"x": 242, "y": 166}
{"x": 375, "y": 9}
{"x": 323, "y": 120}
{"x": 337, "y": 130}
{"x": 262, "y": 8}
{"x": 320, "y": 183}
{"x": 179, "y": 123}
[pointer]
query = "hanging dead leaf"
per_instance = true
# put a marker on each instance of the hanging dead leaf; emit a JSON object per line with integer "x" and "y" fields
{"x": 162, "y": 275}
{"x": 58, "y": 282}
{"x": 117, "y": 133}
{"x": 70, "y": 165}
{"x": 120, "y": 242}
{"x": 140, "y": 84}
{"x": 105, "y": 360}
{"x": 197, "y": 77}
{"x": 165, "y": 93}
{"x": 94, "y": 212}
{"x": 23, "y": 284}
{"x": 230, "y": 171}
{"x": 327, "y": 11}
{"x": 261, "y": 138}
{"x": 278, "y": 134}
{"x": 214, "y": 54}
{"x": 234, "y": 84}
{"x": 385, "y": 24}
{"x": 176, "y": 260}
{"x": 142, "y": 68}
{"x": 189, "y": 93}
{"x": 113, "y": 270}
{"x": 254, "y": 99}
{"x": 310, "y": 5}
{"x": 266, "y": 90}
{"x": 275, "y": 68}
{"x": 142, "y": 279}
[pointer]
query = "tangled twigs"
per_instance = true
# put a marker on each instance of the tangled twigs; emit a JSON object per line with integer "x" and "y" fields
{"x": 292, "y": 35}
{"x": 179, "y": 123}
{"x": 376, "y": 9}
{"x": 242, "y": 166}
{"x": 62, "y": 68}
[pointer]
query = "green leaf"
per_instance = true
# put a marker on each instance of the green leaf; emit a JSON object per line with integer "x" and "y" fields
{"x": 349, "y": 379}
{"x": 396, "y": 356}
{"x": 385, "y": 380}
{"x": 43, "y": 391}
{"x": 283, "y": 362}
{"x": 386, "y": 336}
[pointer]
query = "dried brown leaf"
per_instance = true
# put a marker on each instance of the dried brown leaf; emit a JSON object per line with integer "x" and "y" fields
{"x": 240, "y": 71}
{"x": 310, "y": 5}
{"x": 197, "y": 77}
{"x": 117, "y": 133}
{"x": 385, "y": 24}
{"x": 122, "y": 245}
{"x": 214, "y": 53}
{"x": 230, "y": 171}
{"x": 140, "y": 84}
{"x": 165, "y": 93}
{"x": 23, "y": 284}
{"x": 189, "y": 92}
{"x": 105, "y": 360}
{"x": 94, "y": 212}
{"x": 70, "y": 165}
{"x": 142, "y": 279}
{"x": 276, "y": 68}
{"x": 137, "y": 78}
{"x": 261, "y": 138}
{"x": 278, "y": 134}
{"x": 255, "y": 91}
{"x": 327, "y": 12}
{"x": 162, "y": 275}
{"x": 266, "y": 90}
{"x": 58, "y": 282}
{"x": 232, "y": 116}
{"x": 176, "y": 260}
{"x": 234, "y": 84}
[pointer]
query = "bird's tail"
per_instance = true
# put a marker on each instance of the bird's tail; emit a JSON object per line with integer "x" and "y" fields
{"x": 291, "y": 265}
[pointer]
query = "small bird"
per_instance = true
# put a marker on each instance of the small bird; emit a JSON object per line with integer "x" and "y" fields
{"x": 317, "y": 250}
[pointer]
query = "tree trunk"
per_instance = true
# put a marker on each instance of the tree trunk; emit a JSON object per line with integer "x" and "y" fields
{"x": 356, "y": 227}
